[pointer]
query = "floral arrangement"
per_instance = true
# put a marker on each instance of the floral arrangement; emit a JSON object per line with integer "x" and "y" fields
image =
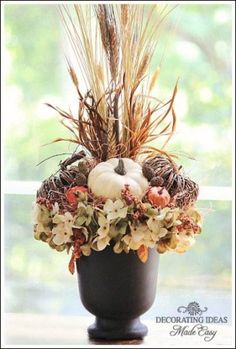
{"x": 117, "y": 188}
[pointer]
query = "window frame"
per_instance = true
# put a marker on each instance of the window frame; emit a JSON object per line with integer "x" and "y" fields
{"x": 219, "y": 193}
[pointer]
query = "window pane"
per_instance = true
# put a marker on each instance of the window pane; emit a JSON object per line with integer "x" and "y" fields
{"x": 35, "y": 74}
{"x": 193, "y": 46}
{"x": 199, "y": 53}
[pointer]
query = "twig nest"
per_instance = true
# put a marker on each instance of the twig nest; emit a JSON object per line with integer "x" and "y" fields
{"x": 189, "y": 194}
{"x": 86, "y": 165}
{"x": 55, "y": 187}
{"x": 148, "y": 172}
{"x": 157, "y": 181}
{"x": 158, "y": 196}
{"x": 181, "y": 189}
{"x": 109, "y": 178}
{"x": 163, "y": 167}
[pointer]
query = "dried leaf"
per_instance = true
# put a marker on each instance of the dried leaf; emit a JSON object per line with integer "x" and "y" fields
{"x": 142, "y": 253}
{"x": 71, "y": 265}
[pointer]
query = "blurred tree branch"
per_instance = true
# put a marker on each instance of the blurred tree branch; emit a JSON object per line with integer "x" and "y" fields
{"x": 207, "y": 47}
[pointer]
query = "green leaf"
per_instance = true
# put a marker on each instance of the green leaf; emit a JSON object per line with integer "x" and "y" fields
{"x": 150, "y": 212}
{"x": 80, "y": 221}
{"x": 88, "y": 220}
{"x": 118, "y": 229}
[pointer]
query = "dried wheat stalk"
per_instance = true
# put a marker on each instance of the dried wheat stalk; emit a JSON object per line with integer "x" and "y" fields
{"x": 113, "y": 45}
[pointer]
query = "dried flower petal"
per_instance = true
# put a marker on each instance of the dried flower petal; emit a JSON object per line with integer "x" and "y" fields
{"x": 143, "y": 253}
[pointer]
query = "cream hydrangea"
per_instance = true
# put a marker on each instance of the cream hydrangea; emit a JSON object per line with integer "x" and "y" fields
{"x": 86, "y": 249}
{"x": 120, "y": 246}
{"x": 41, "y": 214}
{"x": 63, "y": 230}
{"x": 185, "y": 241}
{"x": 167, "y": 229}
{"x": 156, "y": 228}
{"x": 139, "y": 235}
{"x": 84, "y": 214}
{"x": 41, "y": 218}
{"x": 103, "y": 238}
{"x": 115, "y": 209}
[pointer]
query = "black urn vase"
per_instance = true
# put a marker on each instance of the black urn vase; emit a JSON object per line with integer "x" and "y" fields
{"x": 117, "y": 289}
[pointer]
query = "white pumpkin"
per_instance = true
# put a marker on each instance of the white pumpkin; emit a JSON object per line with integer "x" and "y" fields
{"x": 108, "y": 178}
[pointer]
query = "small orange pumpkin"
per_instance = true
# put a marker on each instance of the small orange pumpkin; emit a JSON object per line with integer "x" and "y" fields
{"x": 71, "y": 194}
{"x": 158, "y": 196}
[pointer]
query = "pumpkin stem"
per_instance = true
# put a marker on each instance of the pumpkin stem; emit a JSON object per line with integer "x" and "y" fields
{"x": 120, "y": 168}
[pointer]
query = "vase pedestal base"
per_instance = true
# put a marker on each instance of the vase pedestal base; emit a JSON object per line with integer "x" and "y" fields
{"x": 117, "y": 329}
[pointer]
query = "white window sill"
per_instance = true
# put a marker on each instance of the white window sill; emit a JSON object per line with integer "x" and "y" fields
{"x": 30, "y": 188}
